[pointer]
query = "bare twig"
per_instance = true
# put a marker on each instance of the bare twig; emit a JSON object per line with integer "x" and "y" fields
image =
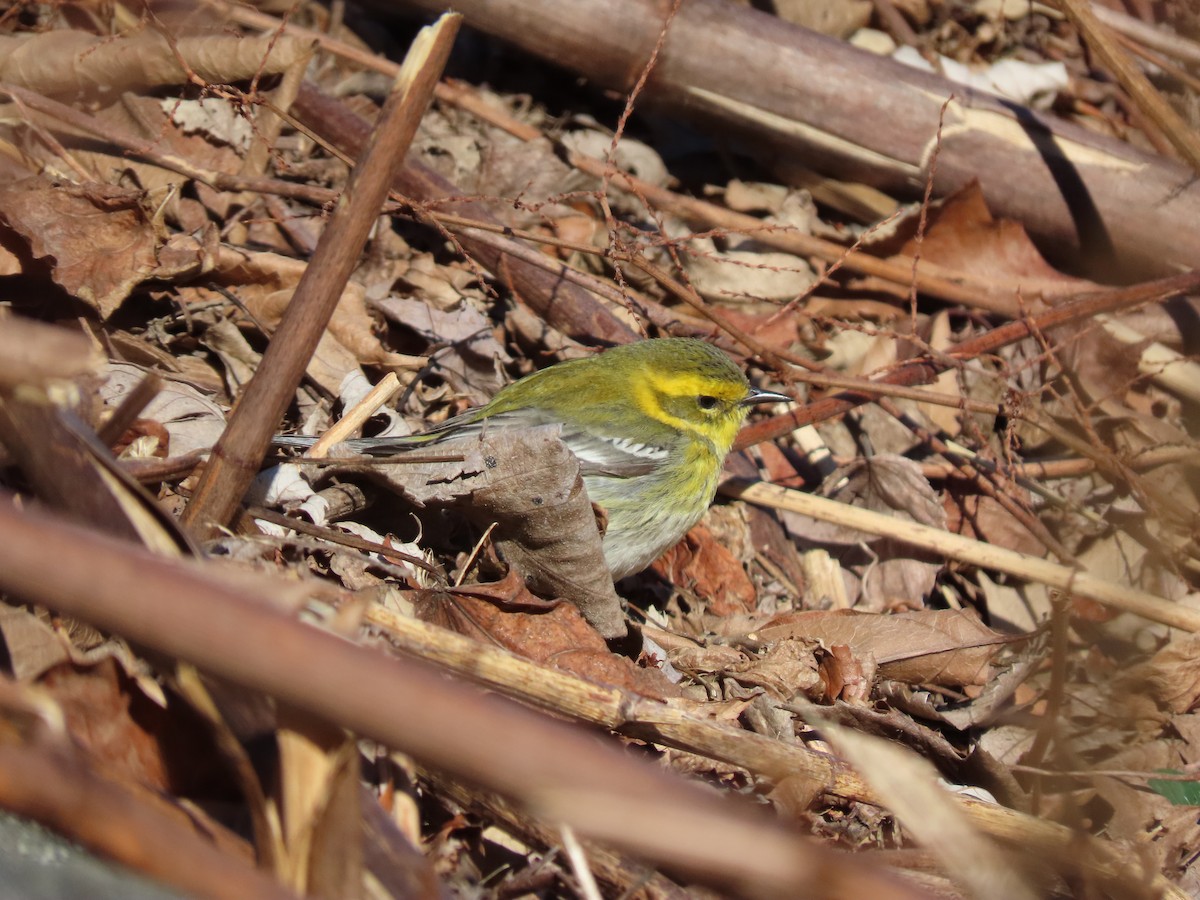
{"x": 236, "y": 457}
{"x": 187, "y": 611}
{"x": 1066, "y": 579}
{"x": 1136, "y": 84}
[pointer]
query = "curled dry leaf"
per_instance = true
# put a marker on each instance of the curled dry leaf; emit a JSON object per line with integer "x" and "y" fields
{"x": 962, "y": 234}
{"x": 691, "y": 656}
{"x": 787, "y": 668}
{"x": 192, "y": 420}
{"x": 1171, "y": 677}
{"x": 846, "y": 676}
{"x": 266, "y": 281}
{"x": 108, "y": 714}
{"x": 100, "y": 241}
{"x": 472, "y": 361}
{"x": 57, "y": 62}
{"x": 950, "y": 647}
{"x": 528, "y": 483}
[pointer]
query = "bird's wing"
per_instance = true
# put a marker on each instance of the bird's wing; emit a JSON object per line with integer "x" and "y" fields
{"x": 597, "y": 454}
{"x": 614, "y": 457}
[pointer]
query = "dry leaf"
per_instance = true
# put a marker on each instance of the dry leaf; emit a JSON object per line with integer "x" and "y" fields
{"x": 847, "y": 677}
{"x": 787, "y": 668}
{"x": 984, "y": 519}
{"x": 118, "y": 725}
{"x": 962, "y": 234}
{"x": 527, "y": 482}
{"x": 30, "y": 645}
{"x": 97, "y": 239}
{"x": 557, "y": 636}
{"x": 472, "y": 361}
{"x": 64, "y": 61}
{"x": 950, "y": 647}
{"x": 1171, "y": 677}
{"x": 888, "y": 574}
{"x": 702, "y": 566}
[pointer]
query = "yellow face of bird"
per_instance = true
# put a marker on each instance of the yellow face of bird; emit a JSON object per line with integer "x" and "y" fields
{"x": 702, "y": 404}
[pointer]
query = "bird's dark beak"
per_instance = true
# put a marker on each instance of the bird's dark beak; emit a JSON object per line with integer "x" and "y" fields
{"x": 757, "y": 396}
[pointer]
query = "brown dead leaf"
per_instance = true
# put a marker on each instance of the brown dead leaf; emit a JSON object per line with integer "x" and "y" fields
{"x": 847, "y": 677}
{"x": 692, "y": 656}
{"x": 1009, "y": 690}
{"x": 108, "y": 715}
{"x": 962, "y": 234}
{"x": 771, "y": 329}
{"x": 472, "y": 361}
{"x": 787, "y": 668}
{"x": 98, "y": 238}
{"x": 509, "y": 594}
{"x": 704, "y": 567}
{"x": 1138, "y": 813}
{"x": 266, "y": 281}
{"x": 950, "y": 647}
{"x": 888, "y": 484}
{"x": 529, "y": 483}
{"x": 888, "y": 574}
{"x": 1102, "y": 368}
{"x": 948, "y": 384}
{"x": 558, "y": 636}
{"x": 1171, "y": 677}
{"x": 984, "y": 519}
{"x": 149, "y": 118}
{"x": 30, "y": 645}
{"x": 794, "y": 795}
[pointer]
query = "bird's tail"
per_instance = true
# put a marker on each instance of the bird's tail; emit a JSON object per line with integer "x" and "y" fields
{"x": 375, "y": 446}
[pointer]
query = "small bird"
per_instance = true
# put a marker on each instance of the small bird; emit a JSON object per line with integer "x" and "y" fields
{"x": 651, "y": 424}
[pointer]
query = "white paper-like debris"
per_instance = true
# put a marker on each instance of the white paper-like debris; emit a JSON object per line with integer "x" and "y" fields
{"x": 412, "y": 548}
{"x": 873, "y": 41}
{"x": 975, "y": 793}
{"x": 279, "y": 484}
{"x": 316, "y": 508}
{"x": 215, "y": 117}
{"x": 1011, "y": 79}
{"x": 271, "y": 529}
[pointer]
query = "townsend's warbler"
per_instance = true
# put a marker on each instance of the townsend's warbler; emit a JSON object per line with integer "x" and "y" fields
{"x": 651, "y": 424}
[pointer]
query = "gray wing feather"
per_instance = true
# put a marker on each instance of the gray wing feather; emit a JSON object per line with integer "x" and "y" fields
{"x": 597, "y": 454}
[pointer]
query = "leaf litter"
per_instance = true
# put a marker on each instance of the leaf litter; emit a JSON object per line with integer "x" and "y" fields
{"x": 155, "y": 204}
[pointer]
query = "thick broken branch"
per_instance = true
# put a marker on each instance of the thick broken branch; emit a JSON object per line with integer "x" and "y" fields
{"x": 1114, "y": 209}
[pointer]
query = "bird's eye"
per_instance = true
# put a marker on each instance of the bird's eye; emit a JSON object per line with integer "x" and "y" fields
{"x": 707, "y": 402}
